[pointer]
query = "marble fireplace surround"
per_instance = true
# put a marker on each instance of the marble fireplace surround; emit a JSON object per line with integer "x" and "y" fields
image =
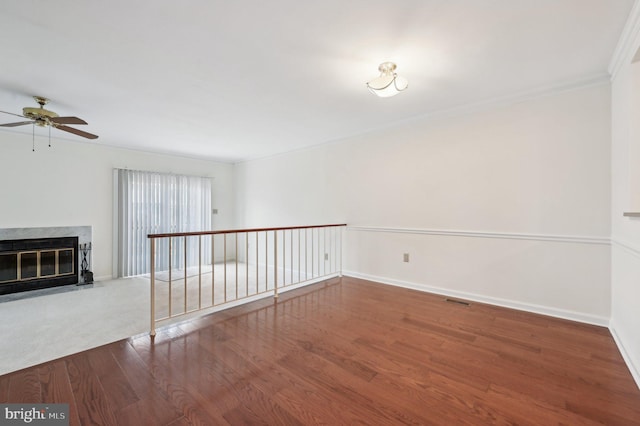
{"x": 82, "y": 232}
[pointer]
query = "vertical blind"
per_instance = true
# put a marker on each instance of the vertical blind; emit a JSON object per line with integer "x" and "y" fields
{"x": 156, "y": 203}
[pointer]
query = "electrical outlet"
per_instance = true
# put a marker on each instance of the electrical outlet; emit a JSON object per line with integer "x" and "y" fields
{"x": 405, "y": 257}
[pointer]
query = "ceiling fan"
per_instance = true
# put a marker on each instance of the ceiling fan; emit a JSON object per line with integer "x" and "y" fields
{"x": 45, "y": 118}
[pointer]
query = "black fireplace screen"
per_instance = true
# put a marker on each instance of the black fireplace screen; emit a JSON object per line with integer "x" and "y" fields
{"x": 37, "y": 263}
{"x": 8, "y": 267}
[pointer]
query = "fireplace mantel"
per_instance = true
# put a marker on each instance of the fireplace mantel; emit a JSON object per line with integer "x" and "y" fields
{"x": 82, "y": 232}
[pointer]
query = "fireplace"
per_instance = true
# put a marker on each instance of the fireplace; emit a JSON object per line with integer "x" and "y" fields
{"x": 35, "y": 263}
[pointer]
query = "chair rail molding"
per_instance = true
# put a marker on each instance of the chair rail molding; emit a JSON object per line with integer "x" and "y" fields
{"x": 576, "y": 239}
{"x": 628, "y": 247}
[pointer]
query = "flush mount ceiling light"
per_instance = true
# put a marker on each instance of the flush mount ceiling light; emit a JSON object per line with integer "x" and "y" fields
{"x": 388, "y": 84}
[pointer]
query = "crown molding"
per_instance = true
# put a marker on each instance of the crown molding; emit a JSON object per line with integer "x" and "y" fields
{"x": 459, "y": 111}
{"x": 517, "y": 97}
{"x": 628, "y": 41}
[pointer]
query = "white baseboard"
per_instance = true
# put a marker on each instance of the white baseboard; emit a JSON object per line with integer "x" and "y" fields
{"x": 537, "y": 309}
{"x": 635, "y": 372}
{"x": 316, "y": 280}
{"x": 104, "y": 278}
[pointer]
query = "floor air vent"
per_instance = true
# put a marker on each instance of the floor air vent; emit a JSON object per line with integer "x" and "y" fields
{"x": 459, "y": 302}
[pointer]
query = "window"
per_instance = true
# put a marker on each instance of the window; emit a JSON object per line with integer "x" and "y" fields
{"x": 156, "y": 203}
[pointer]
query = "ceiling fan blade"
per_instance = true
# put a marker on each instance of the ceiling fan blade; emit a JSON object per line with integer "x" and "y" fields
{"x": 67, "y": 120}
{"x": 77, "y": 132}
{"x": 20, "y": 123}
{"x": 10, "y": 113}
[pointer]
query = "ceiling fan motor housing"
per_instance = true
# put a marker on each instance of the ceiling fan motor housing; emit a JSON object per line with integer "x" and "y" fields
{"x": 40, "y": 115}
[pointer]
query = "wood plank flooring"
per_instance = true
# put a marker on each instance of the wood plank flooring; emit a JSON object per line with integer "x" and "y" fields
{"x": 346, "y": 352}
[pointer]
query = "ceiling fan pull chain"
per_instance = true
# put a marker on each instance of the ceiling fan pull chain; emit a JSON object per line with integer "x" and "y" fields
{"x": 49, "y": 136}
{"x": 33, "y": 137}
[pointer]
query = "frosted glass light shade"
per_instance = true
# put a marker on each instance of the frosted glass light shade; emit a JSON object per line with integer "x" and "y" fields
{"x": 389, "y": 83}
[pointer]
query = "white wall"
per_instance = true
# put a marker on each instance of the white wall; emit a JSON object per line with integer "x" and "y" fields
{"x": 71, "y": 184}
{"x": 288, "y": 190}
{"x": 509, "y": 205}
{"x": 625, "y": 315}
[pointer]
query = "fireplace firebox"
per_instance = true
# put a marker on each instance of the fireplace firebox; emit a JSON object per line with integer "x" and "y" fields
{"x": 30, "y": 264}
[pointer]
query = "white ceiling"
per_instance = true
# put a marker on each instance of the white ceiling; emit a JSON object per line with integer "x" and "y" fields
{"x": 235, "y": 80}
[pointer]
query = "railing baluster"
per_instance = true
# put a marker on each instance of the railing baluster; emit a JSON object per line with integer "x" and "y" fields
{"x": 275, "y": 264}
{"x": 312, "y": 253}
{"x": 257, "y": 263}
{"x": 334, "y": 247}
{"x": 306, "y": 260}
{"x": 320, "y": 256}
{"x": 325, "y": 253}
{"x": 185, "y": 274}
{"x": 213, "y": 269}
{"x": 299, "y": 258}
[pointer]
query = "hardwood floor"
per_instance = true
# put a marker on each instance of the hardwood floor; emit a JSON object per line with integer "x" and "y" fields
{"x": 346, "y": 352}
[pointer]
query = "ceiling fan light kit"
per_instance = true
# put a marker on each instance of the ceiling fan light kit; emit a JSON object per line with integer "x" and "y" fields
{"x": 44, "y": 118}
{"x": 389, "y": 83}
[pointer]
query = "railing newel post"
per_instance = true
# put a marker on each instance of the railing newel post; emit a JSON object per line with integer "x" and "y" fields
{"x": 340, "y": 251}
{"x": 225, "y": 266}
{"x": 246, "y": 263}
{"x": 236, "y": 239}
{"x": 153, "y": 287}
{"x": 170, "y": 283}
{"x": 199, "y": 271}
